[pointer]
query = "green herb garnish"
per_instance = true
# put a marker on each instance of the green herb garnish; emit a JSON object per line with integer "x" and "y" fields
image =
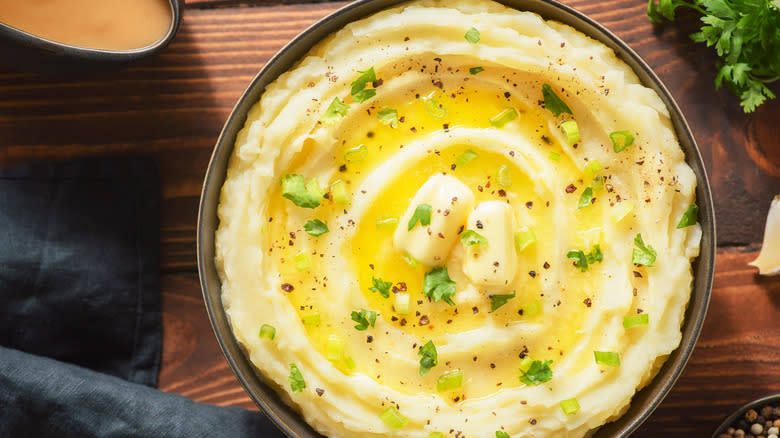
{"x": 582, "y": 260}
{"x": 570, "y": 406}
{"x": 428, "y": 357}
{"x": 539, "y": 372}
{"x": 438, "y": 286}
{"x": 422, "y": 214}
{"x": 471, "y": 237}
{"x": 472, "y": 35}
{"x": 505, "y": 116}
{"x": 554, "y": 103}
{"x": 315, "y": 227}
{"x": 689, "y": 217}
{"x": 388, "y": 116}
{"x": 501, "y": 434}
{"x": 306, "y": 195}
{"x": 434, "y": 109}
{"x": 466, "y": 157}
{"x": 643, "y": 255}
{"x": 585, "y": 198}
{"x": 336, "y": 110}
{"x": 609, "y": 358}
{"x": 571, "y": 130}
{"x": 632, "y": 321}
{"x": 297, "y": 384}
{"x": 393, "y": 418}
{"x": 364, "y": 78}
{"x": 621, "y": 140}
{"x": 476, "y": 70}
{"x": 364, "y": 95}
{"x": 267, "y": 331}
{"x": 449, "y": 380}
{"x": 504, "y": 177}
{"x": 383, "y": 287}
{"x": 745, "y": 35}
{"x": 497, "y": 301}
{"x": 364, "y": 318}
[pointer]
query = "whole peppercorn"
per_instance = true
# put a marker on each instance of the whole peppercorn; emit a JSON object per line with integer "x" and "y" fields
{"x": 739, "y": 433}
{"x": 751, "y": 415}
{"x": 756, "y": 429}
{"x": 766, "y": 411}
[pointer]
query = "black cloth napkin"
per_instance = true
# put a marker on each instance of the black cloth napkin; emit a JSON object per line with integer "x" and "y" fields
{"x": 80, "y": 320}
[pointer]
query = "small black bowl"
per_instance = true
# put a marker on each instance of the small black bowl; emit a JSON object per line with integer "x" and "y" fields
{"x": 24, "y": 51}
{"x": 755, "y": 404}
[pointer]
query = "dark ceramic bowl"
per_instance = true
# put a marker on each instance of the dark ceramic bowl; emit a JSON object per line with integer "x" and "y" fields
{"x": 755, "y": 404}
{"x": 643, "y": 403}
{"x": 26, "y": 52}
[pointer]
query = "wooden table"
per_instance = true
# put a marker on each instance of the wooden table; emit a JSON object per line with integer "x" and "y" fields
{"x": 173, "y": 107}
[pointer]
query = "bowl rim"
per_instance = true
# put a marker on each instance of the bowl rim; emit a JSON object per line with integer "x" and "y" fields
{"x": 737, "y": 413}
{"x": 264, "y": 396}
{"x": 22, "y": 38}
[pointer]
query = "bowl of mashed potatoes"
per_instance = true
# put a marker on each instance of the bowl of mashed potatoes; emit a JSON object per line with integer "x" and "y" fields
{"x": 456, "y": 218}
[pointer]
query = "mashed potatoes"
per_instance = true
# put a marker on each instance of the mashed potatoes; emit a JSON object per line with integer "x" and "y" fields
{"x": 455, "y": 217}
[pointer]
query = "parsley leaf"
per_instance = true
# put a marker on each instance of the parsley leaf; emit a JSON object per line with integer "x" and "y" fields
{"x": 422, "y": 214}
{"x": 689, "y": 217}
{"x": 476, "y": 70}
{"x": 388, "y": 116}
{"x": 297, "y": 384}
{"x": 538, "y": 372}
{"x": 554, "y": 103}
{"x": 582, "y": 260}
{"x": 472, "y": 35}
{"x": 360, "y": 83}
{"x": 642, "y": 254}
{"x": 383, "y": 287}
{"x": 744, "y": 34}
{"x": 429, "y": 357}
{"x": 497, "y": 301}
{"x": 336, "y": 110}
{"x": 585, "y": 198}
{"x": 364, "y": 95}
{"x": 471, "y": 237}
{"x": 315, "y": 227}
{"x": 438, "y": 285}
{"x": 306, "y": 195}
{"x": 364, "y": 318}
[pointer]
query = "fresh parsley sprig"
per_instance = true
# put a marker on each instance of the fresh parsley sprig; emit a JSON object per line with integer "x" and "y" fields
{"x": 746, "y": 35}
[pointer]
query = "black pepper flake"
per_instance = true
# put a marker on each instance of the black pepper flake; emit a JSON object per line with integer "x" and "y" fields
{"x": 529, "y": 205}
{"x": 546, "y": 265}
{"x": 446, "y": 127}
{"x": 413, "y": 129}
{"x": 371, "y": 265}
{"x": 287, "y": 287}
{"x": 492, "y": 366}
{"x": 637, "y": 274}
{"x": 475, "y": 310}
{"x": 635, "y": 291}
{"x": 424, "y": 320}
{"x": 438, "y": 83}
{"x": 343, "y": 168}
{"x": 480, "y": 188}
{"x": 501, "y": 192}
{"x": 532, "y": 274}
{"x": 378, "y": 83}
{"x": 406, "y": 38}
{"x": 588, "y": 302}
{"x": 533, "y": 421}
{"x": 452, "y": 167}
{"x": 403, "y": 322}
{"x": 479, "y": 223}
{"x": 511, "y": 153}
{"x": 319, "y": 391}
{"x": 370, "y": 134}
{"x": 393, "y": 318}
{"x": 369, "y": 339}
{"x": 571, "y": 188}
{"x": 506, "y": 94}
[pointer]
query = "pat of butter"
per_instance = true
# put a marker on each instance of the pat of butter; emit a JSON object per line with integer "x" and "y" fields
{"x": 494, "y": 264}
{"x": 451, "y": 201}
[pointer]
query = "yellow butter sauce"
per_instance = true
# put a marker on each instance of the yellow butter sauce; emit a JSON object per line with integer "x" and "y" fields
{"x": 94, "y": 24}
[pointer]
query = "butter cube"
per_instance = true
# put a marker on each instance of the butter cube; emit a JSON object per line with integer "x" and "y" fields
{"x": 494, "y": 264}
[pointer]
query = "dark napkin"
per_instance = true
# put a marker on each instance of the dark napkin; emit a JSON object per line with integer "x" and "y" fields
{"x": 79, "y": 283}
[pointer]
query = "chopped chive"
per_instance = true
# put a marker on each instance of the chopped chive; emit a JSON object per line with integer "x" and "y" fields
{"x": 621, "y": 140}
{"x": 302, "y": 262}
{"x": 476, "y": 70}
{"x": 689, "y": 217}
{"x": 434, "y": 109}
{"x": 571, "y": 130}
{"x": 591, "y": 169}
{"x": 632, "y": 321}
{"x": 501, "y": 434}
{"x": 297, "y": 384}
{"x": 505, "y": 116}
{"x": 449, "y": 380}
{"x": 356, "y": 154}
{"x": 504, "y": 177}
{"x": 466, "y": 157}
{"x": 570, "y": 406}
{"x": 339, "y": 191}
{"x": 313, "y": 319}
{"x": 585, "y": 198}
{"x": 401, "y": 305}
{"x": 436, "y": 435}
{"x": 388, "y": 116}
{"x": 315, "y": 227}
{"x": 410, "y": 261}
{"x": 471, "y": 238}
{"x": 524, "y": 238}
{"x": 393, "y": 418}
{"x": 335, "y": 350}
{"x": 554, "y": 156}
{"x": 532, "y": 308}
{"x": 472, "y": 35}
{"x": 349, "y": 362}
{"x": 526, "y": 363}
{"x": 422, "y": 213}
{"x": 386, "y": 221}
{"x": 598, "y": 184}
{"x": 267, "y": 331}
{"x": 609, "y": 358}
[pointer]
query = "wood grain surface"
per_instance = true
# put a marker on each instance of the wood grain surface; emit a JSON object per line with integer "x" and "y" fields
{"x": 173, "y": 106}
